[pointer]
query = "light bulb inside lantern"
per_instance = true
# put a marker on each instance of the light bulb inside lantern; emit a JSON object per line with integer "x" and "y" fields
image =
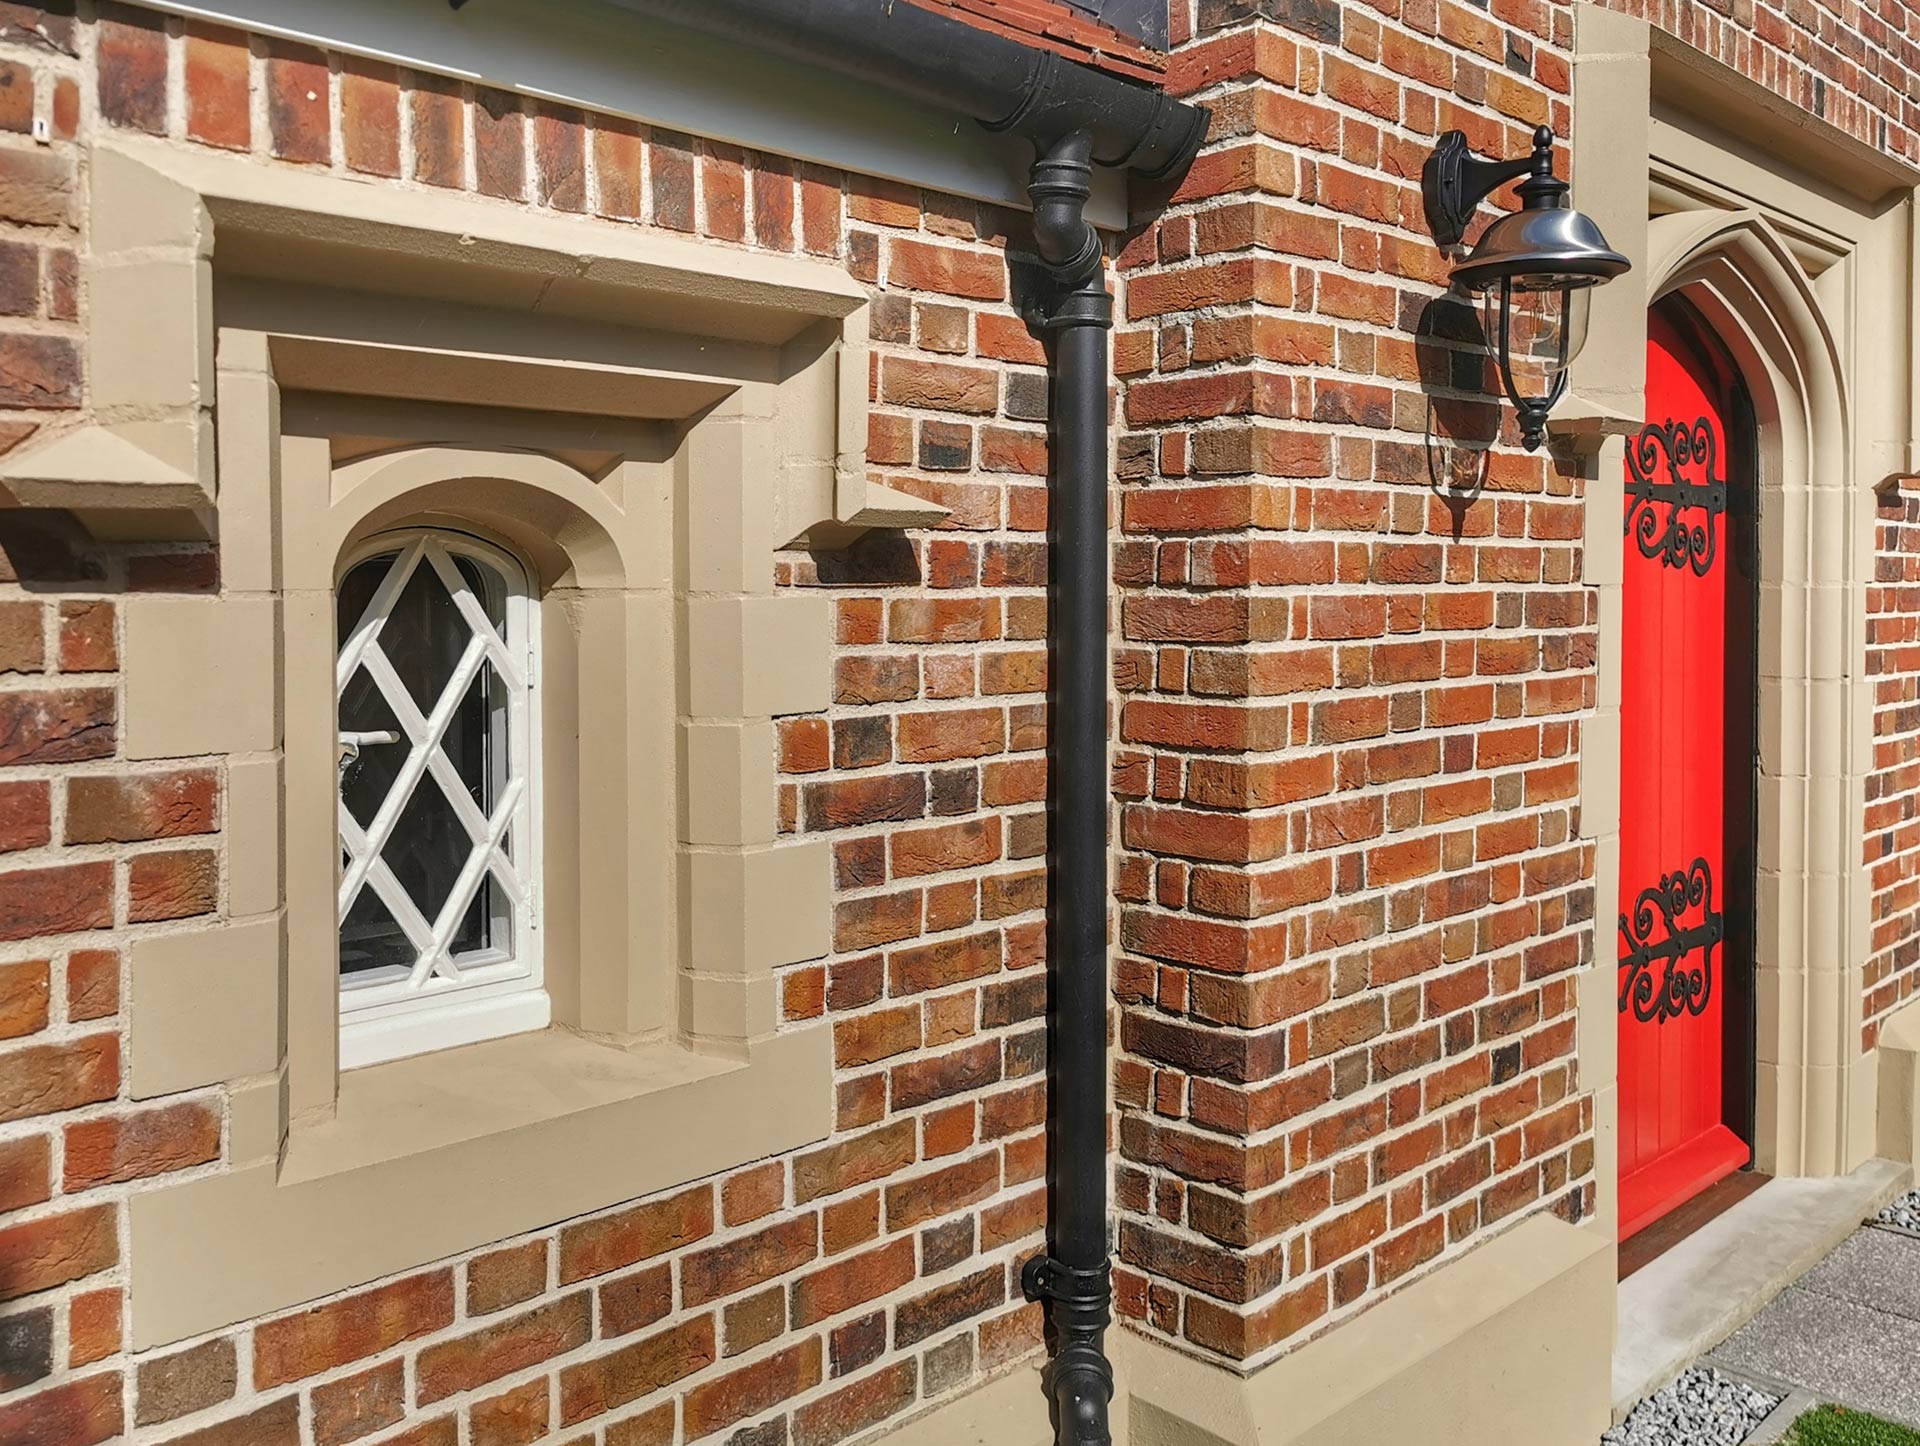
{"x": 1545, "y": 325}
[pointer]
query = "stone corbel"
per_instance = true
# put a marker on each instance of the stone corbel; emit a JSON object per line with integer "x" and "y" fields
{"x": 147, "y": 445}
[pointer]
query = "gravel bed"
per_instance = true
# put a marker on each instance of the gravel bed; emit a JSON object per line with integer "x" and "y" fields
{"x": 1702, "y": 1408}
{"x": 1902, "y": 1213}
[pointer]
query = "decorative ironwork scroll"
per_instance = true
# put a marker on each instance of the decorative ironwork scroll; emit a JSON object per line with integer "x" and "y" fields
{"x": 1658, "y": 461}
{"x": 1684, "y": 952}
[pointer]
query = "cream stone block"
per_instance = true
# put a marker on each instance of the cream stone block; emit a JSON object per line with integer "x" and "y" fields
{"x": 750, "y": 910}
{"x": 1779, "y": 1011}
{"x": 726, "y": 472}
{"x": 200, "y": 676}
{"x": 306, "y": 479}
{"x": 1600, "y": 772}
{"x": 249, "y": 488}
{"x": 758, "y": 657}
{"x": 1862, "y": 1094}
{"x": 729, "y": 1010}
{"x": 1530, "y": 1310}
{"x": 1776, "y": 1141}
{"x": 1610, "y": 654}
{"x": 1603, "y": 556}
{"x": 137, "y": 207}
{"x": 727, "y": 783}
{"x": 253, "y": 825}
{"x": 256, "y": 1121}
{"x": 205, "y": 1006}
{"x": 150, "y": 334}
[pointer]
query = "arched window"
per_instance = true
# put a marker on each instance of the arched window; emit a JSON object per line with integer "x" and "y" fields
{"x": 438, "y": 898}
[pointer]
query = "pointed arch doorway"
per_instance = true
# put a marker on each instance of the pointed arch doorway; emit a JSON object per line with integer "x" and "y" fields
{"x": 1686, "y": 923}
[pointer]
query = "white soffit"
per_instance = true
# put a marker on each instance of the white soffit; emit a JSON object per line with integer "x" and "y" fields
{"x": 599, "y": 57}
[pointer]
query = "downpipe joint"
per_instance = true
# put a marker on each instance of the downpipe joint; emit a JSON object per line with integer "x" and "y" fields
{"x": 1082, "y": 1376}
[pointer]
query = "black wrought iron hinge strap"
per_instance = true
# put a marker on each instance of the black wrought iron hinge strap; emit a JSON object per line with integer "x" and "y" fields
{"x": 1655, "y": 462}
{"x": 1684, "y": 952}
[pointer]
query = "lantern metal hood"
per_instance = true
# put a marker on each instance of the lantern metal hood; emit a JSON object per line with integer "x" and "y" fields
{"x": 1531, "y": 269}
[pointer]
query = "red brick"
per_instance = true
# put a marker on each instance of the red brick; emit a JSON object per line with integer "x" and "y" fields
{"x": 93, "y": 1327}
{"x": 78, "y": 1413}
{"x": 299, "y": 104}
{"x": 753, "y": 1193}
{"x": 749, "y": 1260}
{"x": 47, "y": 1078}
{"x": 560, "y": 154}
{"x": 86, "y": 637}
{"x": 506, "y": 1277}
{"x": 23, "y": 998}
{"x": 178, "y": 884}
{"x": 513, "y": 1418}
{"x": 131, "y": 63}
{"x": 927, "y": 1197}
{"x": 39, "y": 372}
{"x": 851, "y": 1282}
{"x": 499, "y": 145}
{"x": 195, "y": 1379}
{"x": 595, "y": 1247}
{"x": 636, "y": 1370}
{"x": 617, "y": 160}
{"x": 56, "y": 1249}
{"x": 370, "y": 116}
{"x": 437, "y": 119}
{"x": 36, "y": 187}
{"x": 635, "y": 1300}
{"x": 25, "y": 1166}
{"x": 132, "y": 808}
{"x": 217, "y": 80}
{"x": 503, "y": 1348}
{"x": 132, "y": 1147}
{"x": 351, "y": 1329}
{"x": 93, "y": 984}
{"x": 69, "y": 725}
{"x": 854, "y": 1161}
{"x": 751, "y": 1389}
{"x": 855, "y": 1408}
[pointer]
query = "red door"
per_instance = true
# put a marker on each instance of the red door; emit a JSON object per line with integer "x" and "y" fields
{"x": 1686, "y": 773}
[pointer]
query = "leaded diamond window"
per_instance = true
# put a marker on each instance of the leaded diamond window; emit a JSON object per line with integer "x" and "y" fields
{"x": 438, "y": 900}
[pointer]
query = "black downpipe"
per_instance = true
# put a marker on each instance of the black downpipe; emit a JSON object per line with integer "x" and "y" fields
{"x": 1075, "y": 1276}
{"x": 1077, "y": 118}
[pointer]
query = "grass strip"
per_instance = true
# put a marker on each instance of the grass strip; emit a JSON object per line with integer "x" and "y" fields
{"x": 1837, "y": 1426}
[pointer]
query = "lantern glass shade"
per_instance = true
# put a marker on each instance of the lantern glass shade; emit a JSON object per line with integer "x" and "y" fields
{"x": 1535, "y": 327}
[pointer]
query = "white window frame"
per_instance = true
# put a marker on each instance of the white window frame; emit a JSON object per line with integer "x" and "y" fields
{"x": 444, "y": 1002}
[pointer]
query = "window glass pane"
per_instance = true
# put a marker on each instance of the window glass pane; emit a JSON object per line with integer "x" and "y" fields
{"x": 487, "y": 590}
{"x": 424, "y": 637}
{"x": 370, "y": 939}
{"x": 369, "y": 768}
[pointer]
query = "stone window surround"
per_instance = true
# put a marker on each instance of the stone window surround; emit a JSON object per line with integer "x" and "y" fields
{"x": 665, "y": 1075}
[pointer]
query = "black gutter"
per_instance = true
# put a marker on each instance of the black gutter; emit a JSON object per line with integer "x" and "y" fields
{"x": 1077, "y": 118}
{"x": 997, "y": 80}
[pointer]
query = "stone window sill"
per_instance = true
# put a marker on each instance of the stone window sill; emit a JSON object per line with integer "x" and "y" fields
{"x": 504, "y": 1138}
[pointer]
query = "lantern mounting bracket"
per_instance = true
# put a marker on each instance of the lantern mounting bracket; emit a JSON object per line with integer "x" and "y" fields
{"x": 1454, "y": 181}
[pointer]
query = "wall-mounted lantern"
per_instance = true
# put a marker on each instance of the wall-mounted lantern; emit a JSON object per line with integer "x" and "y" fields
{"x": 1531, "y": 269}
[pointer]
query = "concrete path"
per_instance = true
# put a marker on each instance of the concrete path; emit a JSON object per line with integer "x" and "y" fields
{"x": 1848, "y": 1330}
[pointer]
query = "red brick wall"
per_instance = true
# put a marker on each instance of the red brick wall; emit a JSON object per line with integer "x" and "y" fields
{"x": 800, "y": 1299}
{"x": 1353, "y": 892}
{"x": 1892, "y": 842}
